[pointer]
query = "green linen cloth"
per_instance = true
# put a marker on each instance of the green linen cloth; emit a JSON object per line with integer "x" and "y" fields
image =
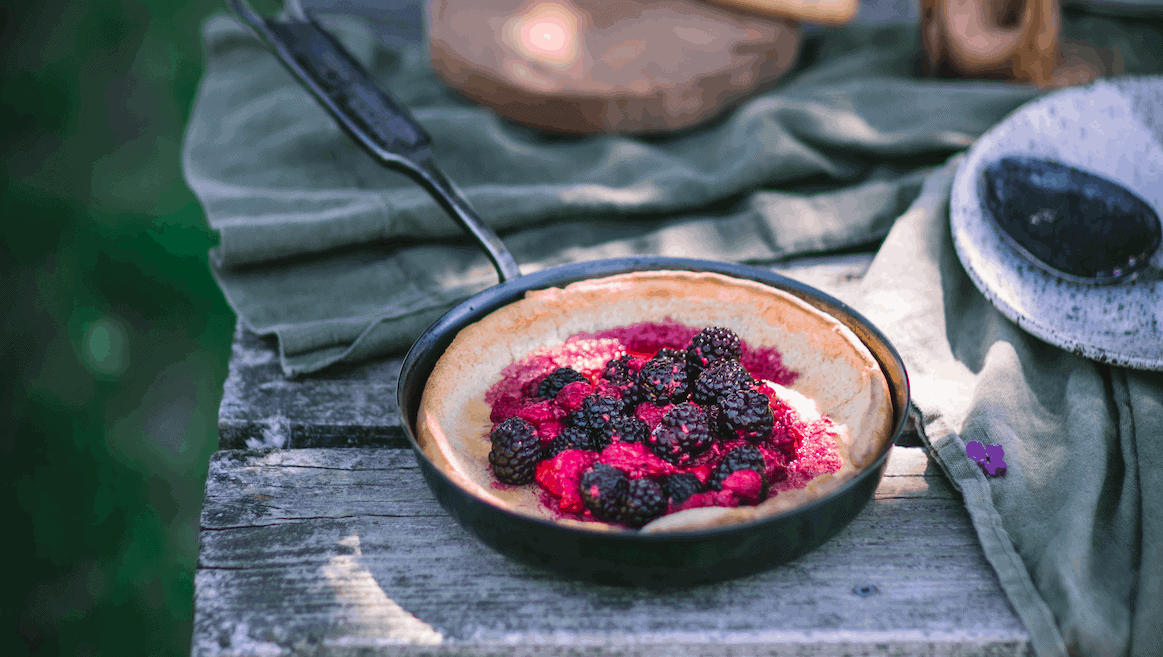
{"x": 1074, "y": 528}
{"x": 343, "y": 261}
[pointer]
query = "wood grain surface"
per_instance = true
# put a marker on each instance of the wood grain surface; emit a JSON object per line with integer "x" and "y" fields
{"x": 345, "y": 551}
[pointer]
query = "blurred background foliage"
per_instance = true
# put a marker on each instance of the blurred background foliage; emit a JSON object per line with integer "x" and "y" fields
{"x": 115, "y": 339}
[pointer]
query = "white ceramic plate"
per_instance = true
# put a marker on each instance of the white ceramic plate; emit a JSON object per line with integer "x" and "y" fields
{"x": 1113, "y": 128}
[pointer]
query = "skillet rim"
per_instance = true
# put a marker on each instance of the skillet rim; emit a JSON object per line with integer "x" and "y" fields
{"x": 428, "y": 348}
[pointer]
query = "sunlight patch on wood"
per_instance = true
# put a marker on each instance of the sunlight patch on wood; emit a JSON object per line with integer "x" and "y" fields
{"x": 368, "y": 612}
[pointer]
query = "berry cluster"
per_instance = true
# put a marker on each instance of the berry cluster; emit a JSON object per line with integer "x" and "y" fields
{"x": 612, "y": 497}
{"x": 641, "y": 437}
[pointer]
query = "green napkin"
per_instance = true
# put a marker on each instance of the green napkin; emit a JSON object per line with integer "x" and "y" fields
{"x": 1074, "y": 528}
{"x": 343, "y": 260}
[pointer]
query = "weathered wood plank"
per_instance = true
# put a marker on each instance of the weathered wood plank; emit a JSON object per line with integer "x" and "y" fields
{"x": 355, "y": 406}
{"x": 346, "y": 406}
{"x": 344, "y": 551}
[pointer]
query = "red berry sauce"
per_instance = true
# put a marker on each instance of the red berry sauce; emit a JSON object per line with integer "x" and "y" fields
{"x": 797, "y": 452}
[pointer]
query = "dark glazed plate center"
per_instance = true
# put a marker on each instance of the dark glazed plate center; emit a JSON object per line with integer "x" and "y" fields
{"x": 1075, "y": 224}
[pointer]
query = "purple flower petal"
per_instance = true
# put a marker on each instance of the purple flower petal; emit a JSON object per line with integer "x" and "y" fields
{"x": 989, "y": 457}
{"x": 995, "y": 469}
{"x": 995, "y": 465}
{"x": 975, "y": 451}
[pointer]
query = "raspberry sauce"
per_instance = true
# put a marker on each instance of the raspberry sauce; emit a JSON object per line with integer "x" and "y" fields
{"x": 797, "y": 451}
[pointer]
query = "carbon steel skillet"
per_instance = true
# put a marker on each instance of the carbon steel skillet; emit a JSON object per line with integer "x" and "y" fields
{"x": 390, "y": 135}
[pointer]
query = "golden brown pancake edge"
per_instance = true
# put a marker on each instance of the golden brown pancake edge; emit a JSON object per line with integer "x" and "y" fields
{"x": 836, "y": 371}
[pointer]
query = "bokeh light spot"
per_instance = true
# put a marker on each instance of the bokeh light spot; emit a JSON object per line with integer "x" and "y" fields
{"x": 106, "y": 349}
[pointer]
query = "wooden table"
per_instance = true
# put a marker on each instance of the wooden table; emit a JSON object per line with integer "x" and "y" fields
{"x": 319, "y": 537}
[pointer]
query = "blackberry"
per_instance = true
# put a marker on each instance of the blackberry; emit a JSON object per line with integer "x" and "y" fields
{"x": 552, "y": 384}
{"x": 668, "y": 353}
{"x": 595, "y": 413}
{"x": 622, "y": 374}
{"x": 569, "y": 438}
{"x": 720, "y": 379}
{"x": 662, "y": 382}
{"x": 679, "y": 487}
{"x": 710, "y": 345}
{"x": 644, "y": 501}
{"x": 682, "y": 434}
{"x": 715, "y": 422}
{"x": 603, "y": 488}
{"x": 623, "y": 427}
{"x": 516, "y": 451}
{"x": 746, "y": 414}
{"x": 743, "y": 457}
{"x": 618, "y": 371}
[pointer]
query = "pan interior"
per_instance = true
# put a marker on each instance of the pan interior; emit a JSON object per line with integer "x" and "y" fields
{"x": 836, "y": 371}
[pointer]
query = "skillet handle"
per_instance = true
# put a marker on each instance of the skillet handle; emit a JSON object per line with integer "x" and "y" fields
{"x": 370, "y": 117}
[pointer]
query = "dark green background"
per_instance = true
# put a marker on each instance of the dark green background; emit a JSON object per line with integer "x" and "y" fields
{"x": 115, "y": 338}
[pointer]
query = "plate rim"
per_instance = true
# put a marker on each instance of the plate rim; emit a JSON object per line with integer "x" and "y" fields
{"x": 964, "y": 193}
